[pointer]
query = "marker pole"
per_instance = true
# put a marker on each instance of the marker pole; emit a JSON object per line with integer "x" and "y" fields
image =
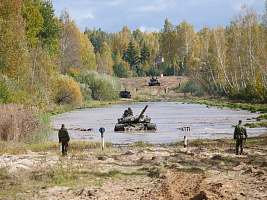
{"x": 102, "y": 130}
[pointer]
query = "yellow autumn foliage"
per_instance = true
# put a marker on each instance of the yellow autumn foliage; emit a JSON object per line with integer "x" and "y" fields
{"x": 67, "y": 91}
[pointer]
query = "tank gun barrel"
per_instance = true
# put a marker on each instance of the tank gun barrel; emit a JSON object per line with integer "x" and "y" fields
{"x": 143, "y": 111}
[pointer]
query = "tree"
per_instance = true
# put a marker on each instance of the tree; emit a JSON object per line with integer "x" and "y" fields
{"x": 50, "y": 31}
{"x": 145, "y": 55}
{"x": 70, "y": 47}
{"x": 13, "y": 51}
{"x": 34, "y": 21}
{"x": 87, "y": 51}
{"x": 104, "y": 60}
{"x": 118, "y": 66}
{"x": 168, "y": 44}
{"x": 186, "y": 39}
{"x": 131, "y": 55}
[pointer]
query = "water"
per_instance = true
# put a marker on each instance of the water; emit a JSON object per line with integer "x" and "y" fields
{"x": 204, "y": 122}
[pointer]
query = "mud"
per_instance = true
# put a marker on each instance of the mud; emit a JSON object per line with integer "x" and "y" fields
{"x": 161, "y": 173}
{"x": 204, "y": 122}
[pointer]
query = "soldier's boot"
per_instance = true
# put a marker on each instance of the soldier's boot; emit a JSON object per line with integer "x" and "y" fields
{"x": 241, "y": 151}
{"x": 236, "y": 150}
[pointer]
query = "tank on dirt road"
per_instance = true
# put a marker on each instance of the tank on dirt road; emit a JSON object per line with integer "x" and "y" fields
{"x": 125, "y": 94}
{"x": 135, "y": 123}
{"x": 154, "y": 81}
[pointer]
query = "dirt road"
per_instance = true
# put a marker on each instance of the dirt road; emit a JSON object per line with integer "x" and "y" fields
{"x": 170, "y": 86}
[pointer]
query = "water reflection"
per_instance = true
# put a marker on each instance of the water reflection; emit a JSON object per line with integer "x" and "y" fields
{"x": 205, "y": 123}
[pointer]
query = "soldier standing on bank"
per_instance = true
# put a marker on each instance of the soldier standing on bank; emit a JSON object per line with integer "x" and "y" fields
{"x": 64, "y": 138}
{"x": 240, "y": 134}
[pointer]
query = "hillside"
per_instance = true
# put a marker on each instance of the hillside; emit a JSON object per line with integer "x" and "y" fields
{"x": 171, "y": 87}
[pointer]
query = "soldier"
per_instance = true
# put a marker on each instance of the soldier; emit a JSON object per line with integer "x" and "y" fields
{"x": 64, "y": 138}
{"x": 240, "y": 134}
{"x": 130, "y": 112}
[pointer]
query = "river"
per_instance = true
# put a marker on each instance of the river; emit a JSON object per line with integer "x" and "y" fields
{"x": 204, "y": 122}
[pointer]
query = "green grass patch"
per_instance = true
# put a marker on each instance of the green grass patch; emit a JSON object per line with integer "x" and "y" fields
{"x": 20, "y": 148}
{"x": 261, "y": 117}
{"x": 142, "y": 144}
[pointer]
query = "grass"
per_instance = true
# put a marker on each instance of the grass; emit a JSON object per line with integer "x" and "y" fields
{"x": 141, "y": 144}
{"x": 261, "y": 117}
{"x": 220, "y": 104}
{"x": 15, "y": 149}
{"x": 59, "y": 109}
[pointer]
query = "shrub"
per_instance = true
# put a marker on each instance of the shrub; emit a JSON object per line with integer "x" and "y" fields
{"x": 12, "y": 92}
{"x": 103, "y": 87}
{"x": 67, "y": 91}
{"x": 193, "y": 88}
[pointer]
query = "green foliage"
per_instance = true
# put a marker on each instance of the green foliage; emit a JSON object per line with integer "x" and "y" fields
{"x": 120, "y": 70}
{"x": 12, "y": 92}
{"x": 142, "y": 144}
{"x": 165, "y": 68}
{"x": 131, "y": 55}
{"x": 50, "y": 31}
{"x": 261, "y": 117}
{"x": 34, "y": 21}
{"x": 103, "y": 87}
{"x": 145, "y": 55}
{"x": 193, "y": 88}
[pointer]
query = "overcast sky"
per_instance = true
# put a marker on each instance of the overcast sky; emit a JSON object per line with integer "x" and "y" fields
{"x": 112, "y": 15}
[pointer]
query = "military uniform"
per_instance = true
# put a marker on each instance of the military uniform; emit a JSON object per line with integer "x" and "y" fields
{"x": 128, "y": 113}
{"x": 64, "y": 138}
{"x": 240, "y": 134}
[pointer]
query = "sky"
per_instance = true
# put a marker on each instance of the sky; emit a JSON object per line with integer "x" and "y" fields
{"x": 149, "y": 15}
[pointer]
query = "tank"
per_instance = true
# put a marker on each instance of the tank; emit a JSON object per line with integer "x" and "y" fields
{"x": 125, "y": 94}
{"x": 154, "y": 81}
{"x": 135, "y": 123}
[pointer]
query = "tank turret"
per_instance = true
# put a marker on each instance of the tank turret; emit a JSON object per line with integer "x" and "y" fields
{"x": 135, "y": 123}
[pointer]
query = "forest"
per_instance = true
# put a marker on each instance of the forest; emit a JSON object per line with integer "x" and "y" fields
{"x": 46, "y": 59}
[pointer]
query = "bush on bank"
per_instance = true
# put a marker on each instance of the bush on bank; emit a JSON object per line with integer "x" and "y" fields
{"x": 103, "y": 87}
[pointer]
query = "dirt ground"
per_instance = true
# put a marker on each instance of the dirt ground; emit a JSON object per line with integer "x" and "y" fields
{"x": 170, "y": 86}
{"x": 130, "y": 172}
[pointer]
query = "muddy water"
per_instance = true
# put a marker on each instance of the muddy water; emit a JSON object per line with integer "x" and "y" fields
{"x": 170, "y": 117}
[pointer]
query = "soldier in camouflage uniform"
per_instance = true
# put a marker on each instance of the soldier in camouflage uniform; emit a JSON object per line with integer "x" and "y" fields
{"x": 240, "y": 134}
{"x": 128, "y": 113}
{"x": 64, "y": 138}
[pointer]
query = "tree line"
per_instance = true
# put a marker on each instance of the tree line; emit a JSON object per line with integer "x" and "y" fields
{"x": 47, "y": 59}
{"x": 44, "y": 59}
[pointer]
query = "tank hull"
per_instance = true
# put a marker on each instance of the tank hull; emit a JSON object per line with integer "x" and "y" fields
{"x": 135, "y": 127}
